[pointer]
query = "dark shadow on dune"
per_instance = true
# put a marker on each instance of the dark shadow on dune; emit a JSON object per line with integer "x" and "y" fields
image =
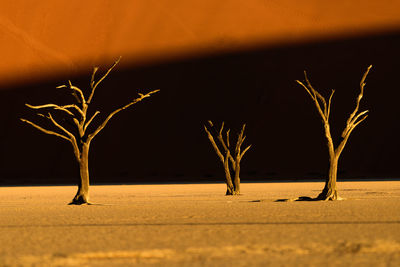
{"x": 204, "y": 224}
{"x": 162, "y": 140}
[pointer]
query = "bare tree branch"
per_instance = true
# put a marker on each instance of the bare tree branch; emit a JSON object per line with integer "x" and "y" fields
{"x": 315, "y": 99}
{"x": 362, "y": 85}
{"x": 240, "y": 140}
{"x": 57, "y": 107}
{"x": 76, "y": 108}
{"x": 142, "y": 96}
{"x": 77, "y": 123}
{"x": 220, "y": 138}
{"x": 90, "y": 120}
{"x": 354, "y": 116}
{"x": 329, "y": 105}
{"x": 45, "y": 130}
{"x": 94, "y": 84}
{"x": 312, "y": 95}
{"x": 317, "y": 95}
{"x": 74, "y": 90}
{"x": 95, "y": 69}
{"x": 60, "y": 127}
{"x": 244, "y": 151}
{"x": 211, "y": 138}
{"x": 227, "y": 137}
{"x": 54, "y": 106}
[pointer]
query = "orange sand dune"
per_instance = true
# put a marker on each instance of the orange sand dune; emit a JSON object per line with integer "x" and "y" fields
{"x": 40, "y": 38}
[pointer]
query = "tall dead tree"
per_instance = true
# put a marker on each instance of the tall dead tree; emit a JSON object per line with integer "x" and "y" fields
{"x": 232, "y": 155}
{"x": 330, "y": 191}
{"x": 79, "y": 138}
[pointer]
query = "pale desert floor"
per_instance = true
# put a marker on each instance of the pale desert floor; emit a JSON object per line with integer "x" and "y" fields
{"x": 197, "y": 225}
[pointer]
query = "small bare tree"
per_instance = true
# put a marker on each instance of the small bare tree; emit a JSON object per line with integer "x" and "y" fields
{"x": 232, "y": 155}
{"x": 79, "y": 138}
{"x": 330, "y": 191}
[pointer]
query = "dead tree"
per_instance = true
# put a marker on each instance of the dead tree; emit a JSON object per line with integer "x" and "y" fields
{"x": 232, "y": 155}
{"x": 78, "y": 115}
{"x": 330, "y": 191}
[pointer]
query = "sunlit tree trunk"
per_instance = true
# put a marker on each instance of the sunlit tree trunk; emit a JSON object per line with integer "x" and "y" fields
{"x": 330, "y": 190}
{"x": 82, "y": 195}
{"x": 236, "y": 180}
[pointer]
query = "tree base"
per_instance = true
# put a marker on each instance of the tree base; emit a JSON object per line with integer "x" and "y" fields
{"x": 234, "y": 193}
{"x": 80, "y": 203}
{"x": 328, "y": 195}
{"x": 80, "y": 200}
{"x": 328, "y": 198}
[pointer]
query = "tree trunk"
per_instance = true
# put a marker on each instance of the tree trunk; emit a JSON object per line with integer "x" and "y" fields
{"x": 230, "y": 188}
{"x": 236, "y": 181}
{"x": 330, "y": 191}
{"x": 82, "y": 196}
{"x": 232, "y": 191}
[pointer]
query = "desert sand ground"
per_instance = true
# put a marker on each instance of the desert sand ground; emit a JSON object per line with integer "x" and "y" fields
{"x": 197, "y": 225}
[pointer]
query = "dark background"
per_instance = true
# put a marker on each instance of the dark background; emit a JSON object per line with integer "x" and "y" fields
{"x": 161, "y": 139}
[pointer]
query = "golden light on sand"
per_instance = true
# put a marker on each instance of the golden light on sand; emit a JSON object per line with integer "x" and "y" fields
{"x": 180, "y": 225}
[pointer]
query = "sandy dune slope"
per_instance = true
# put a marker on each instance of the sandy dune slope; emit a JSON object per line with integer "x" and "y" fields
{"x": 196, "y": 225}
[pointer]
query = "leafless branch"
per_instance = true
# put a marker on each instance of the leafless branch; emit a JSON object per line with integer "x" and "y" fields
{"x": 315, "y": 96}
{"x": 211, "y": 138}
{"x": 94, "y": 84}
{"x": 74, "y": 91}
{"x": 45, "y": 130}
{"x": 92, "y": 81}
{"x": 352, "y": 120}
{"x": 244, "y": 151}
{"x": 90, "y": 120}
{"x": 221, "y": 140}
{"x": 329, "y": 105}
{"x": 54, "y": 106}
{"x": 142, "y": 96}
{"x": 60, "y": 127}
{"x": 227, "y": 138}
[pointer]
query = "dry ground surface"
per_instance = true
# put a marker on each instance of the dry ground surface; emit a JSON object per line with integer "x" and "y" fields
{"x": 196, "y": 225}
